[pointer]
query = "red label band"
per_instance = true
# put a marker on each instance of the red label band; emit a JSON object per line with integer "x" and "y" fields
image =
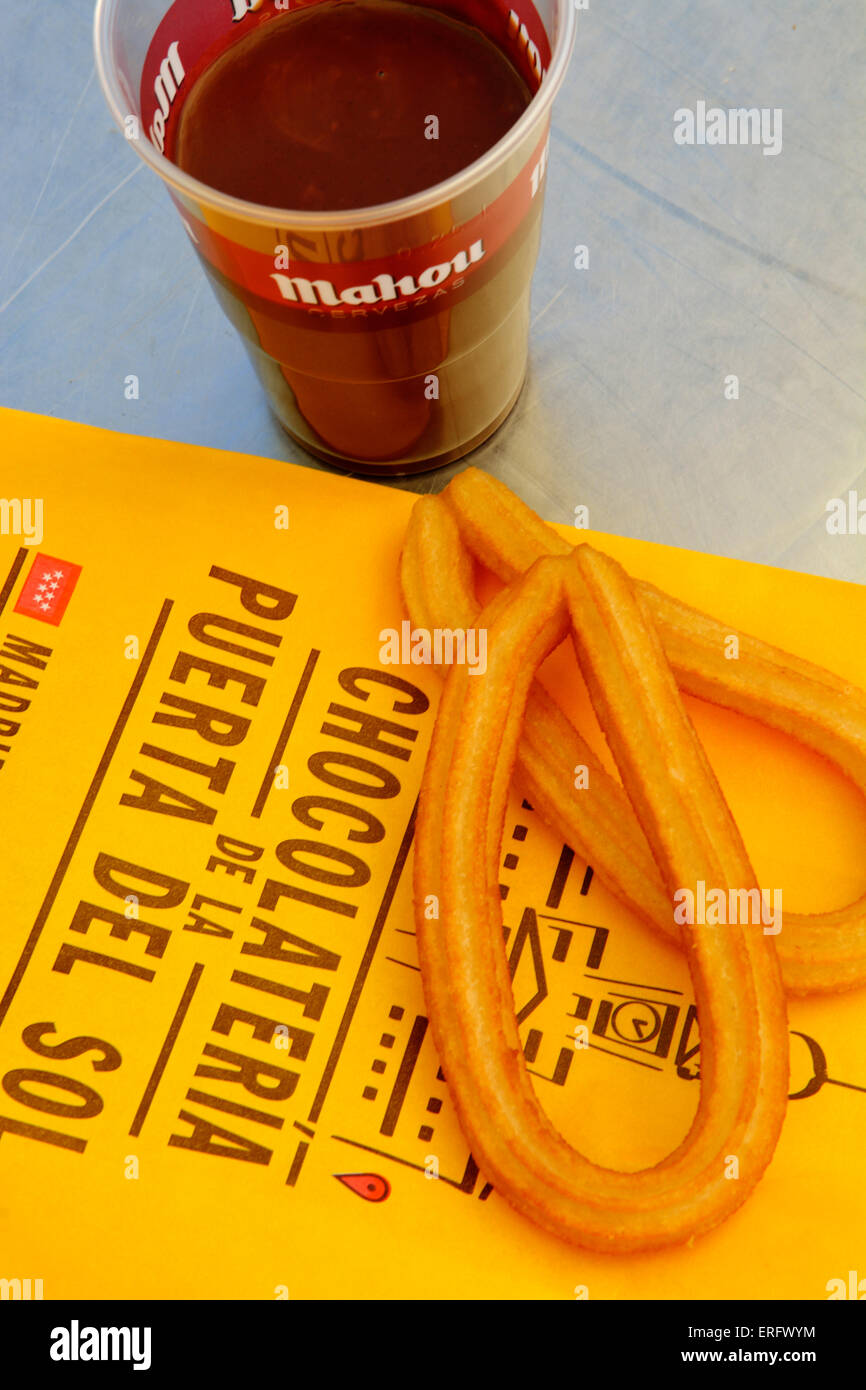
{"x": 407, "y": 277}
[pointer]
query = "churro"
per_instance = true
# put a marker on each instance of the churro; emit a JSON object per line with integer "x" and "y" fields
{"x": 819, "y": 952}
{"x": 438, "y": 590}
{"x": 683, "y": 815}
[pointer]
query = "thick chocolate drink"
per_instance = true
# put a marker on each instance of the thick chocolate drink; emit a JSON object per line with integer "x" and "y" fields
{"x": 418, "y": 352}
{"x": 347, "y": 104}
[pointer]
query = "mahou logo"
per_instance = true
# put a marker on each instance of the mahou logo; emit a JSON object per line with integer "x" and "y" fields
{"x": 382, "y": 289}
{"x": 166, "y": 85}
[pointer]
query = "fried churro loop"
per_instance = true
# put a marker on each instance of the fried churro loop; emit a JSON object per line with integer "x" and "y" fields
{"x": 438, "y": 589}
{"x": 819, "y": 952}
{"x": 684, "y": 816}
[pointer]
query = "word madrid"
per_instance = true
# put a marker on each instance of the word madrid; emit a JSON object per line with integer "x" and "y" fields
{"x": 382, "y": 289}
{"x": 715, "y": 907}
{"x": 76, "y": 1343}
{"x": 737, "y": 126}
{"x": 442, "y": 647}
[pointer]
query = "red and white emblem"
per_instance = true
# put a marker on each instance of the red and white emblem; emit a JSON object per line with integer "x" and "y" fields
{"x": 48, "y": 589}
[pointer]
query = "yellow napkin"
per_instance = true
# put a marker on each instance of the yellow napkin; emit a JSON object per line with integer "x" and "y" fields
{"x": 217, "y": 1075}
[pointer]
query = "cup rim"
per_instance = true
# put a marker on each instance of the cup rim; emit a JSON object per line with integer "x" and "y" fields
{"x": 396, "y": 210}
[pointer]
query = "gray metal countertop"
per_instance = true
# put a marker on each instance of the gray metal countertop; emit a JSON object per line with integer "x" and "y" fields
{"x": 705, "y": 262}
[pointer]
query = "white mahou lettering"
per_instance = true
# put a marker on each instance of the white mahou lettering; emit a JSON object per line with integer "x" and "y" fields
{"x": 165, "y": 88}
{"x": 308, "y": 291}
{"x": 383, "y": 288}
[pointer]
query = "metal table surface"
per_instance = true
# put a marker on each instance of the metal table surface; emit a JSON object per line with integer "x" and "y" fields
{"x": 705, "y": 262}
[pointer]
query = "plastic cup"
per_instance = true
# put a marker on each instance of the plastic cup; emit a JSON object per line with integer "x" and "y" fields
{"x": 389, "y": 339}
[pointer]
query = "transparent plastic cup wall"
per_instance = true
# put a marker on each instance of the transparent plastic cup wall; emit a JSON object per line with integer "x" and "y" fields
{"x": 392, "y": 393}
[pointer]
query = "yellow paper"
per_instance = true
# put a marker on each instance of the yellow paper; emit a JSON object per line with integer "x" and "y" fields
{"x": 348, "y": 1082}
